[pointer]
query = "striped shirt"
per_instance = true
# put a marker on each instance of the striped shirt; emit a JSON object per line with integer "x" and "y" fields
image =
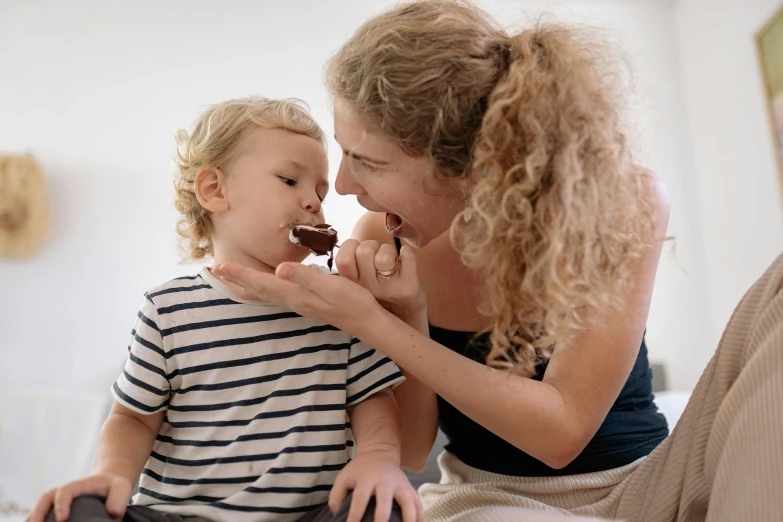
{"x": 255, "y": 399}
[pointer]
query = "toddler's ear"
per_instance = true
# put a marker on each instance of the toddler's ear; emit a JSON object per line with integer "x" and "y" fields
{"x": 210, "y": 188}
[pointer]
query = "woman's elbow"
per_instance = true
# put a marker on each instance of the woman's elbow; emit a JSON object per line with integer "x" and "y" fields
{"x": 562, "y": 452}
{"x": 560, "y": 459}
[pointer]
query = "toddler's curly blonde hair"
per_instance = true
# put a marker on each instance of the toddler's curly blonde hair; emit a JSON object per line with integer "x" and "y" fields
{"x": 213, "y": 143}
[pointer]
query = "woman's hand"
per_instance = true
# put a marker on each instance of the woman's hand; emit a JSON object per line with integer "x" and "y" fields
{"x": 368, "y": 262}
{"x": 308, "y": 292}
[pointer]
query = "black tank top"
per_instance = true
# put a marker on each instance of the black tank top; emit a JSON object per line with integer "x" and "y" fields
{"x": 631, "y": 430}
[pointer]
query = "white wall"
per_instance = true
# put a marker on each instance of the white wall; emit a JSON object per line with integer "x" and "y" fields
{"x": 739, "y": 192}
{"x": 94, "y": 90}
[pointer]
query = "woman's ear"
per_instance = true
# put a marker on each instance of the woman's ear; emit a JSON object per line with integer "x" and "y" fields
{"x": 210, "y": 188}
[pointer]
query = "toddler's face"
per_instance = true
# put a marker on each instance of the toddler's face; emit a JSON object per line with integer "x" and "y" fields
{"x": 279, "y": 178}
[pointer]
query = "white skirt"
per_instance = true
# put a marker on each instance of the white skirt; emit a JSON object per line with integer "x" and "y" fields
{"x": 466, "y": 493}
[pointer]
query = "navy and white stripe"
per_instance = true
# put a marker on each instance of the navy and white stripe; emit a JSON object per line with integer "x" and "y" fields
{"x": 255, "y": 401}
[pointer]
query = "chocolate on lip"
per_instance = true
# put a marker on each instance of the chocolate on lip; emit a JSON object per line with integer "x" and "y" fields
{"x": 320, "y": 239}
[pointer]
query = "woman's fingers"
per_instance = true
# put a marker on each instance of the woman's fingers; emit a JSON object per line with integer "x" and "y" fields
{"x": 273, "y": 287}
{"x": 365, "y": 260}
{"x": 346, "y": 260}
{"x": 284, "y": 288}
{"x": 304, "y": 290}
{"x": 262, "y": 285}
{"x": 386, "y": 258}
{"x": 306, "y": 279}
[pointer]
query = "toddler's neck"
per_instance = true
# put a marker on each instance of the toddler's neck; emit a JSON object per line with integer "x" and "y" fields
{"x": 223, "y": 255}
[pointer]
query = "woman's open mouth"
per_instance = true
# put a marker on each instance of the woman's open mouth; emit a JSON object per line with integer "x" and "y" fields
{"x": 393, "y": 223}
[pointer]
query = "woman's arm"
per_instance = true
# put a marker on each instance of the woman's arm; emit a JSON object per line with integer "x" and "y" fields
{"x": 417, "y": 403}
{"x": 552, "y": 421}
{"x": 555, "y": 419}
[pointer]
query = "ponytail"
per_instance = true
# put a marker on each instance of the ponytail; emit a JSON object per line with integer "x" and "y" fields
{"x": 559, "y": 217}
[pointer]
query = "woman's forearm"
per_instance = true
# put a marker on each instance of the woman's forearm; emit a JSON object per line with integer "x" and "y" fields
{"x": 419, "y": 421}
{"x": 531, "y": 415}
{"x": 418, "y": 408}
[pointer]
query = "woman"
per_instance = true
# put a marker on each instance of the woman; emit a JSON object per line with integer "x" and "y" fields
{"x": 502, "y": 161}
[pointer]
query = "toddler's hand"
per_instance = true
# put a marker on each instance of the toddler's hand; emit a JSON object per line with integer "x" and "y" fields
{"x": 115, "y": 488}
{"x": 375, "y": 474}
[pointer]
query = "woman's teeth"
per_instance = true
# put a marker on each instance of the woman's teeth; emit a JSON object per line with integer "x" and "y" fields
{"x": 393, "y": 222}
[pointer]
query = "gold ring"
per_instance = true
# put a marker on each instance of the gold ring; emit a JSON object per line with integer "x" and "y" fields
{"x": 386, "y": 274}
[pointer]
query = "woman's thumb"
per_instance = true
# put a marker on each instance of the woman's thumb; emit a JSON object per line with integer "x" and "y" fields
{"x": 296, "y": 273}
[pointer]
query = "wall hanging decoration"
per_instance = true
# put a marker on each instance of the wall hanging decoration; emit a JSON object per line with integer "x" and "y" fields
{"x": 24, "y": 207}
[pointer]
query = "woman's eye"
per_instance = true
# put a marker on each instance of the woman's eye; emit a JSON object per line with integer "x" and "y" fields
{"x": 369, "y": 167}
{"x": 362, "y": 163}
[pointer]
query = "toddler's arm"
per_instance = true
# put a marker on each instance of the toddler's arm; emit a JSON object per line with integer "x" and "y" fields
{"x": 126, "y": 442}
{"x": 375, "y": 470}
{"x": 375, "y": 423}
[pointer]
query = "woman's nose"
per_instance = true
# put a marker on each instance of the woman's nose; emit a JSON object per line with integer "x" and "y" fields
{"x": 346, "y": 184}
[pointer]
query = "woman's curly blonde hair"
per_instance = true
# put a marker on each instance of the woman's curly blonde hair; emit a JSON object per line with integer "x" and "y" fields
{"x": 533, "y": 121}
{"x": 214, "y": 142}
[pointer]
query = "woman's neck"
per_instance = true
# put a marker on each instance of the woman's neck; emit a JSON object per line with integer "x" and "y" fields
{"x": 453, "y": 290}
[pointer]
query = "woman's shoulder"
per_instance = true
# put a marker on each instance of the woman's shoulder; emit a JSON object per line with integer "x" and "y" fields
{"x": 655, "y": 190}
